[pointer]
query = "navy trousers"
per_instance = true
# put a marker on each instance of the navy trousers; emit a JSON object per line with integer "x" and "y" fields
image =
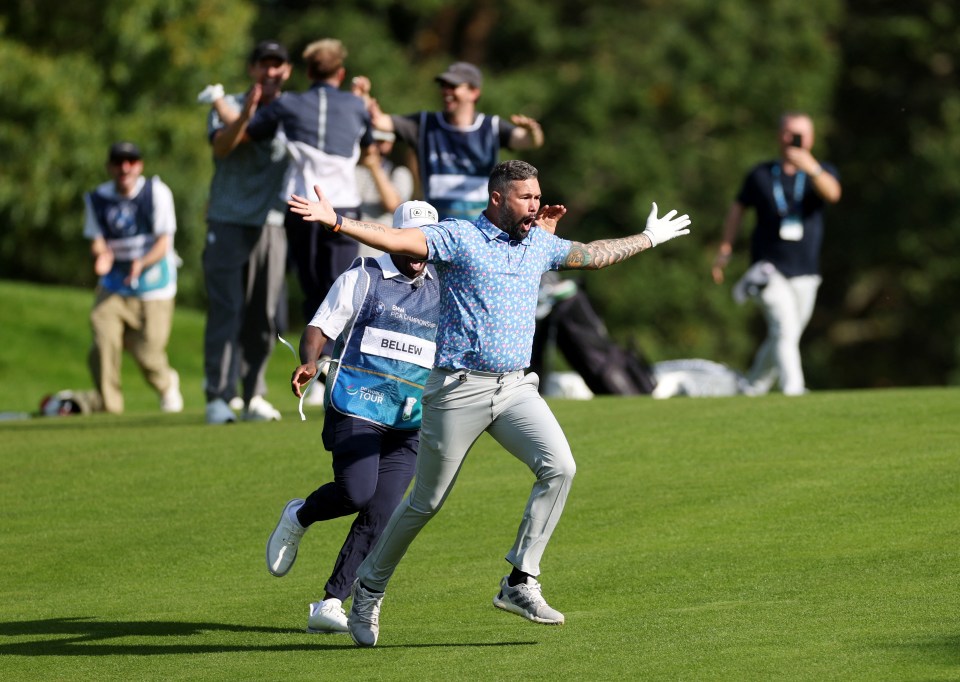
{"x": 372, "y": 468}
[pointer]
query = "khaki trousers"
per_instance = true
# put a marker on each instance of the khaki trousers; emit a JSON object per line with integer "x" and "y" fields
{"x": 140, "y": 327}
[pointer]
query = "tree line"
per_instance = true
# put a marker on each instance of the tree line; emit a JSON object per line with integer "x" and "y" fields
{"x": 640, "y": 101}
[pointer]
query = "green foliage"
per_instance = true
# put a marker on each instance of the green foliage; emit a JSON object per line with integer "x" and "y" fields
{"x": 891, "y": 305}
{"x": 80, "y": 78}
{"x": 50, "y": 156}
{"x": 660, "y": 101}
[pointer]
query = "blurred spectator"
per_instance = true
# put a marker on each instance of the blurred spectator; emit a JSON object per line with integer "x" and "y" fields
{"x": 244, "y": 261}
{"x": 130, "y": 221}
{"x": 326, "y": 129}
{"x": 458, "y": 147}
{"x": 788, "y": 196}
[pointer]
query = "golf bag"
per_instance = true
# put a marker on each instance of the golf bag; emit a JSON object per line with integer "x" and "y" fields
{"x": 570, "y": 324}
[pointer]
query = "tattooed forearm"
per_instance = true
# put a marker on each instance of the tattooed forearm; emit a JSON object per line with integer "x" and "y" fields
{"x": 374, "y": 227}
{"x": 385, "y": 238}
{"x": 604, "y": 252}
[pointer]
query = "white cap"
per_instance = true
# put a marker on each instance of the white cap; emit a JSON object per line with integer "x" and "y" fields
{"x": 415, "y": 214}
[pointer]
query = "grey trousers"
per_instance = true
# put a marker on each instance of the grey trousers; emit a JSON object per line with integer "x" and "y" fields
{"x": 455, "y": 413}
{"x": 244, "y": 269}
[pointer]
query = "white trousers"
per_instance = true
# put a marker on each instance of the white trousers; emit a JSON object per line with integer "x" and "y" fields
{"x": 787, "y": 304}
{"x": 456, "y": 412}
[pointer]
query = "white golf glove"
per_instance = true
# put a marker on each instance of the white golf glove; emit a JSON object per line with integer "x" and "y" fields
{"x": 660, "y": 230}
{"x": 210, "y": 94}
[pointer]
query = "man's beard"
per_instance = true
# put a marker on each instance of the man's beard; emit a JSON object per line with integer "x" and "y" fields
{"x": 513, "y": 225}
{"x": 518, "y": 231}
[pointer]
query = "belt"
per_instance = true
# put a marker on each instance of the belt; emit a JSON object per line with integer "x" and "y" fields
{"x": 500, "y": 377}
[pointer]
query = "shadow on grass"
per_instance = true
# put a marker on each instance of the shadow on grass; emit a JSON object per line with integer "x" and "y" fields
{"x": 942, "y": 650}
{"x": 84, "y": 636}
{"x": 80, "y": 423}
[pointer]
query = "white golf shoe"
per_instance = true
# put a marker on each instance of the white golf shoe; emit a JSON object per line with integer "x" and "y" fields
{"x": 327, "y": 616}
{"x": 218, "y": 412}
{"x": 364, "y": 618}
{"x": 527, "y": 600}
{"x": 259, "y": 410}
{"x": 172, "y": 399}
{"x": 285, "y": 540}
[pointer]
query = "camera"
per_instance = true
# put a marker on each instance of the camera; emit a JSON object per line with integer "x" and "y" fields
{"x": 796, "y": 140}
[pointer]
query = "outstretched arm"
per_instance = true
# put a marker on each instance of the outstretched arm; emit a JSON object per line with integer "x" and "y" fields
{"x": 604, "y": 252}
{"x": 407, "y": 242}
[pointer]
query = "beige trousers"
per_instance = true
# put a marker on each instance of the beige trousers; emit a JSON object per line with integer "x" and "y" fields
{"x": 142, "y": 328}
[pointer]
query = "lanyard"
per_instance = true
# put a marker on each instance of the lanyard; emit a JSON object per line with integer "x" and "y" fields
{"x": 778, "y": 194}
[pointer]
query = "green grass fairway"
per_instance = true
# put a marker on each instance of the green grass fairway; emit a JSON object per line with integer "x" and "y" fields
{"x": 811, "y": 538}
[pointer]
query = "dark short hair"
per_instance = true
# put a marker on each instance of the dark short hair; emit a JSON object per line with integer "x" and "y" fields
{"x": 506, "y": 172}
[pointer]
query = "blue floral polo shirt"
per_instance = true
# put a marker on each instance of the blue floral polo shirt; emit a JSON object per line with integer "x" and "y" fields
{"x": 488, "y": 292}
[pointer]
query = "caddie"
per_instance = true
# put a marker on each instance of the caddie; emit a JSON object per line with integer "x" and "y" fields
{"x": 382, "y": 313}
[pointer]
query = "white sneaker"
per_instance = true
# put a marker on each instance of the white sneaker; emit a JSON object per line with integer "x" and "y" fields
{"x": 210, "y": 94}
{"x": 327, "y": 616}
{"x": 285, "y": 540}
{"x": 218, "y": 412}
{"x": 526, "y": 600}
{"x": 172, "y": 400}
{"x": 364, "y": 618}
{"x": 259, "y": 410}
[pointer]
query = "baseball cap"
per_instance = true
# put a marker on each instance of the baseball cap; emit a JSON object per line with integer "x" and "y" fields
{"x": 415, "y": 214}
{"x": 461, "y": 72}
{"x": 124, "y": 150}
{"x": 269, "y": 49}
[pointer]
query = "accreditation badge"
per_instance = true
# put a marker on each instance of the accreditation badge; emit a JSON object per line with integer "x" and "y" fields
{"x": 791, "y": 228}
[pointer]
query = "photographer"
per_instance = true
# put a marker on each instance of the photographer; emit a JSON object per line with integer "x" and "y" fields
{"x": 788, "y": 195}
